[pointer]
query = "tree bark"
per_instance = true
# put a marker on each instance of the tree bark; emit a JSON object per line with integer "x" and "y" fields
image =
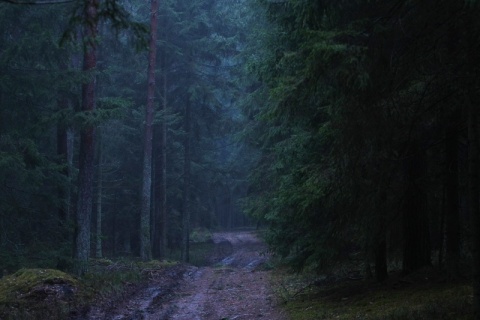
{"x": 186, "y": 188}
{"x": 163, "y": 243}
{"x": 381, "y": 272}
{"x": 416, "y": 251}
{"x": 472, "y": 35}
{"x": 62, "y": 152}
{"x": 145, "y": 247}
{"x": 98, "y": 236}
{"x": 452, "y": 218}
{"x": 161, "y": 220}
{"x": 474, "y": 205}
{"x": 380, "y": 235}
{"x": 86, "y": 155}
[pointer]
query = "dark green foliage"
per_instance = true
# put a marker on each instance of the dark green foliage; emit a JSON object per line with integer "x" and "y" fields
{"x": 40, "y": 118}
{"x": 351, "y": 101}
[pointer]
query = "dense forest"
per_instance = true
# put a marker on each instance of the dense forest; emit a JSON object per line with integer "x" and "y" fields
{"x": 74, "y": 91}
{"x": 343, "y": 128}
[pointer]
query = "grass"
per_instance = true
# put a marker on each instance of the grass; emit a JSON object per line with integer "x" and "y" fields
{"x": 399, "y": 298}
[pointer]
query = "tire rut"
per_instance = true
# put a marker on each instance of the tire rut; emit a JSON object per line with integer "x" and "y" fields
{"x": 234, "y": 287}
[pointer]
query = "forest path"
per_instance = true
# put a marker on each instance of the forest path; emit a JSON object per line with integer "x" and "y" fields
{"x": 232, "y": 288}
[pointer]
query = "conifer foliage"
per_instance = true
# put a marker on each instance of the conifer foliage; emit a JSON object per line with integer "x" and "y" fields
{"x": 356, "y": 123}
{"x": 365, "y": 112}
{"x": 71, "y": 68}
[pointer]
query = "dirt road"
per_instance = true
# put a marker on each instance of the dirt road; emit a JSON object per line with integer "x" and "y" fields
{"x": 234, "y": 287}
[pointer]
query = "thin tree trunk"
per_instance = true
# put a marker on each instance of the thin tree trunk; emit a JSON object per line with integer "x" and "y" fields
{"x": 367, "y": 255}
{"x": 474, "y": 206}
{"x": 163, "y": 245}
{"x": 473, "y": 154}
{"x": 186, "y": 188}
{"x": 62, "y": 152}
{"x": 452, "y": 203}
{"x": 145, "y": 248}
{"x": 155, "y": 214}
{"x": 381, "y": 271}
{"x": 114, "y": 226}
{"x": 70, "y": 147}
{"x": 98, "y": 238}
{"x": 442, "y": 231}
{"x": 452, "y": 218}
{"x": 416, "y": 252}
{"x": 159, "y": 244}
{"x": 229, "y": 209}
{"x": 86, "y": 156}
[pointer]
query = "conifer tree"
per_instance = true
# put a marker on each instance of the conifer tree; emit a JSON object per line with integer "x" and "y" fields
{"x": 145, "y": 245}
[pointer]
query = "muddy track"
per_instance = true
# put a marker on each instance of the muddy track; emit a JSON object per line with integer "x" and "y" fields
{"x": 233, "y": 287}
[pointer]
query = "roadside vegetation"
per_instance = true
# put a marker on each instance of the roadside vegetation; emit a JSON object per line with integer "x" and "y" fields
{"x": 53, "y": 294}
{"x": 424, "y": 294}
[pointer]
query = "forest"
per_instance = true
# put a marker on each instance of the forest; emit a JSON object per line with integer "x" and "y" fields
{"x": 131, "y": 129}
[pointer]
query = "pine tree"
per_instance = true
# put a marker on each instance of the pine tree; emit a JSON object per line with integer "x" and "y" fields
{"x": 145, "y": 248}
{"x": 86, "y": 153}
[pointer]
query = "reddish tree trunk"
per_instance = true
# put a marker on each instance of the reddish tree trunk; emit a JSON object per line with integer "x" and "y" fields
{"x": 145, "y": 246}
{"x": 86, "y": 155}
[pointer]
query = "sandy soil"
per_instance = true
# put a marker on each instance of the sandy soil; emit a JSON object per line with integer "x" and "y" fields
{"x": 234, "y": 287}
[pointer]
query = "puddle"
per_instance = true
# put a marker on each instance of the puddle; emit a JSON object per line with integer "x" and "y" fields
{"x": 227, "y": 261}
{"x": 254, "y": 264}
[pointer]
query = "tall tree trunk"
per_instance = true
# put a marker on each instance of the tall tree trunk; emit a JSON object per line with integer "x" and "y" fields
{"x": 452, "y": 203}
{"x": 381, "y": 270}
{"x": 98, "y": 237}
{"x": 160, "y": 199}
{"x": 62, "y": 152}
{"x": 472, "y": 101}
{"x": 452, "y": 218}
{"x": 186, "y": 188}
{"x": 229, "y": 209}
{"x": 145, "y": 248}
{"x": 474, "y": 205}
{"x": 416, "y": 251}
{"x": 163, "y": 243}
{"x": 86, "y": 155}
{"x": 161, "y": 219}
{"x": 114, "y": 226}
{"x": 367, "y": 257}
{"x": 441, "y": 241}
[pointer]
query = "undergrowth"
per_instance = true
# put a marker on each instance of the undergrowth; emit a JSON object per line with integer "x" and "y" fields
{"x": 308, "y": 297}
{"x": 52, "y": 294}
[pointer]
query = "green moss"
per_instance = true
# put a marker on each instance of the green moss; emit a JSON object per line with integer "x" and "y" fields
{"x": 24, "y": 280}
{"x": 101, "y": 262}
{"x": 52, "y": 294}
{"x": 156, "y": 264}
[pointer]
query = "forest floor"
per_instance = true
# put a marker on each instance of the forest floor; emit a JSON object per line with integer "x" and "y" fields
{"x": 232, "y": 281}
{"x": 234, "y": 286}
{"x": 344, "y": 294}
